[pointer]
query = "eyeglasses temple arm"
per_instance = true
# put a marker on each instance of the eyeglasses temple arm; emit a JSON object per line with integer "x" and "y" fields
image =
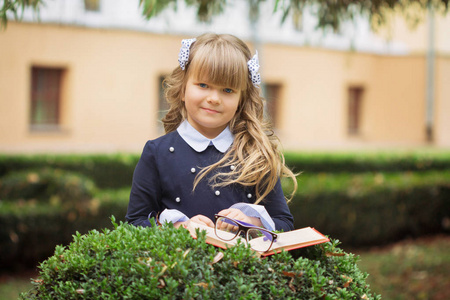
{"x": 267, "y": 234}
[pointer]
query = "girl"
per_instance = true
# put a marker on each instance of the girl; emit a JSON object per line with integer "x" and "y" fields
{"x": 218, "y": 154}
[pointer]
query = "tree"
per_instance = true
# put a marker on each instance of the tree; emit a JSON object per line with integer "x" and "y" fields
{"x": 15, "y": 7}
{"x": 330, "y": 13}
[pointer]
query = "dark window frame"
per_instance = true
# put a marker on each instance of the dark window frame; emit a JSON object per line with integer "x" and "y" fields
{"x": 46, "y": 98}
{"x": 354, "y": 106}
{"x": 272, "y": 94}
{"x": 92, "y": 5}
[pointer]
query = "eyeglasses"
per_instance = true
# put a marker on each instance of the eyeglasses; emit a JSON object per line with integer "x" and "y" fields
{"x": 258, "y": 238}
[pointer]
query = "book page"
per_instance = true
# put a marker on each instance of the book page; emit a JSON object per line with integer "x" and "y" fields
{"x": 285, "y": 240}
{"x": 296, "y": 237}
{"x": 211, "y": 236}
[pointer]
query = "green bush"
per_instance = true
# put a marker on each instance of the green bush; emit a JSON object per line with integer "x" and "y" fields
{"x": 373, "y": 208}
{"x": 106, "y": 170}
{"x": 167, "y": 263}
{"x": 357, "y": 162}
{"x": 30, "y": 230}
{"x": 116, "y": 170}
{"x": 69, "y": 189}
{"x": 359, "y": 208}
{"x": 40, "y": 209}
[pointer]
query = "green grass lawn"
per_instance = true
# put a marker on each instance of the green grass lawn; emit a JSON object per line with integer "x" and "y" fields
{"x": 418, "y": 269}
{"x": 12, "y": 285}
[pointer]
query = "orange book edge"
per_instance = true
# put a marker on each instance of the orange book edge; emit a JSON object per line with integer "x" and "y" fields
{"x": 289, "y": 240}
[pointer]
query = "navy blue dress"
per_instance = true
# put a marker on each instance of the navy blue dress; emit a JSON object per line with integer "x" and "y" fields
{"x": 164, "y": 178}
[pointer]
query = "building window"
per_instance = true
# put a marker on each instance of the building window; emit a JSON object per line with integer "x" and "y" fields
{"x": 272, "y": 93}
{"x": 45, "y": 97}
{"x": 163, "y": 106}
{"x": 92, "y": 5}
{"x": 354, "y": 110}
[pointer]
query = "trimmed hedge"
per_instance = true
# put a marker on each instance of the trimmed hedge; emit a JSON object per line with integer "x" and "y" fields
{"x": 374, "y": 208}
{"x": 29, "y": 231}
{"x": 167, "y": 263}
{"x": 47, "y": 185}
{"x": 360, "y": 209}
{"x": 116, "y": 170}
{"x": 107, "y": 171}
{"x": 361, "y": 162}
{"x": 40, "y": 209}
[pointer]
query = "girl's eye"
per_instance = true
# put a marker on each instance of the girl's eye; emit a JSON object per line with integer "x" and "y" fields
{"x": 227, "y": 90}
{"x": 203, "y": 85}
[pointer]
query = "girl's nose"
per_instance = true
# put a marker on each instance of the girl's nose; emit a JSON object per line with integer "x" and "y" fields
{"x": 213, "y": 98}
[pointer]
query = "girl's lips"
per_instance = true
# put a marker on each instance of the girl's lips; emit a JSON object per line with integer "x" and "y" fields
{"x": 212, "y": 111}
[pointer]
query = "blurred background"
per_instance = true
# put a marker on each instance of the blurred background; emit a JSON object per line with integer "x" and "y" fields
{"x": 86, "y": 76}
{"x": 358, "y": 93}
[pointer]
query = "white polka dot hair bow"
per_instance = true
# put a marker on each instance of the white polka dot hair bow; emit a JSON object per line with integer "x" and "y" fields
{"x": 253, "y": 67}
{"x": 183, "y": 56}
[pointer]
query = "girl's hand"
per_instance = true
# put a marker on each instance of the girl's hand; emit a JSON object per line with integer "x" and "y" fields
{"x": 236, "y": 214}
{"x": 201, "y": 219}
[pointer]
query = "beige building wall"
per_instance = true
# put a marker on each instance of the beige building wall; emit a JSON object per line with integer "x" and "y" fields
{"x": 397, "y": 103}
{"x": 442, "y": 106}
{"x": 314, "y": 109}
{"x": 110, "y": 92}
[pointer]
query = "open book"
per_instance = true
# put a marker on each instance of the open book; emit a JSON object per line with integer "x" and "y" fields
{"x": 286, "y": 241}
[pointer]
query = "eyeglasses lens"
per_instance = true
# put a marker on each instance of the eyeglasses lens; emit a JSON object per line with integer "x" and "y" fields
{"x": 227, "y": 228}
{"x": 259, "y": 240}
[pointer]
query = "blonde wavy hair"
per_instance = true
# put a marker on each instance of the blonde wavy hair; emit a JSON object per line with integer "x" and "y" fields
{"x": 255, "y": 153}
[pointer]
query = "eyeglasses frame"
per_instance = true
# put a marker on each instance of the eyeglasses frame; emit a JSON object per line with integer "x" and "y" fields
{"x": 244, "y": 227}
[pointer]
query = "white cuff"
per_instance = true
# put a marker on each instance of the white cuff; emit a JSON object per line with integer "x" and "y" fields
{"x": 172, "y": 216}
{"x": 256, "y": 211}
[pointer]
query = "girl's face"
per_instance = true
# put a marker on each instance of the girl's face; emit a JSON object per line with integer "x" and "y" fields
{"x": 209, "y": 107}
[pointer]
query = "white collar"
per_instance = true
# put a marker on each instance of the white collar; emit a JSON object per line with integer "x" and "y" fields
{"x": 199, "y": 142}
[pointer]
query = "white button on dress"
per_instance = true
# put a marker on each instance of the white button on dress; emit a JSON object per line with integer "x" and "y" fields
{"x": 217, "y": 193}
{"x": 177, "y": 199}
{"x": 171, "y": 149}
{"x": 193, "y": 170}
{"x": 249, "y": 195}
